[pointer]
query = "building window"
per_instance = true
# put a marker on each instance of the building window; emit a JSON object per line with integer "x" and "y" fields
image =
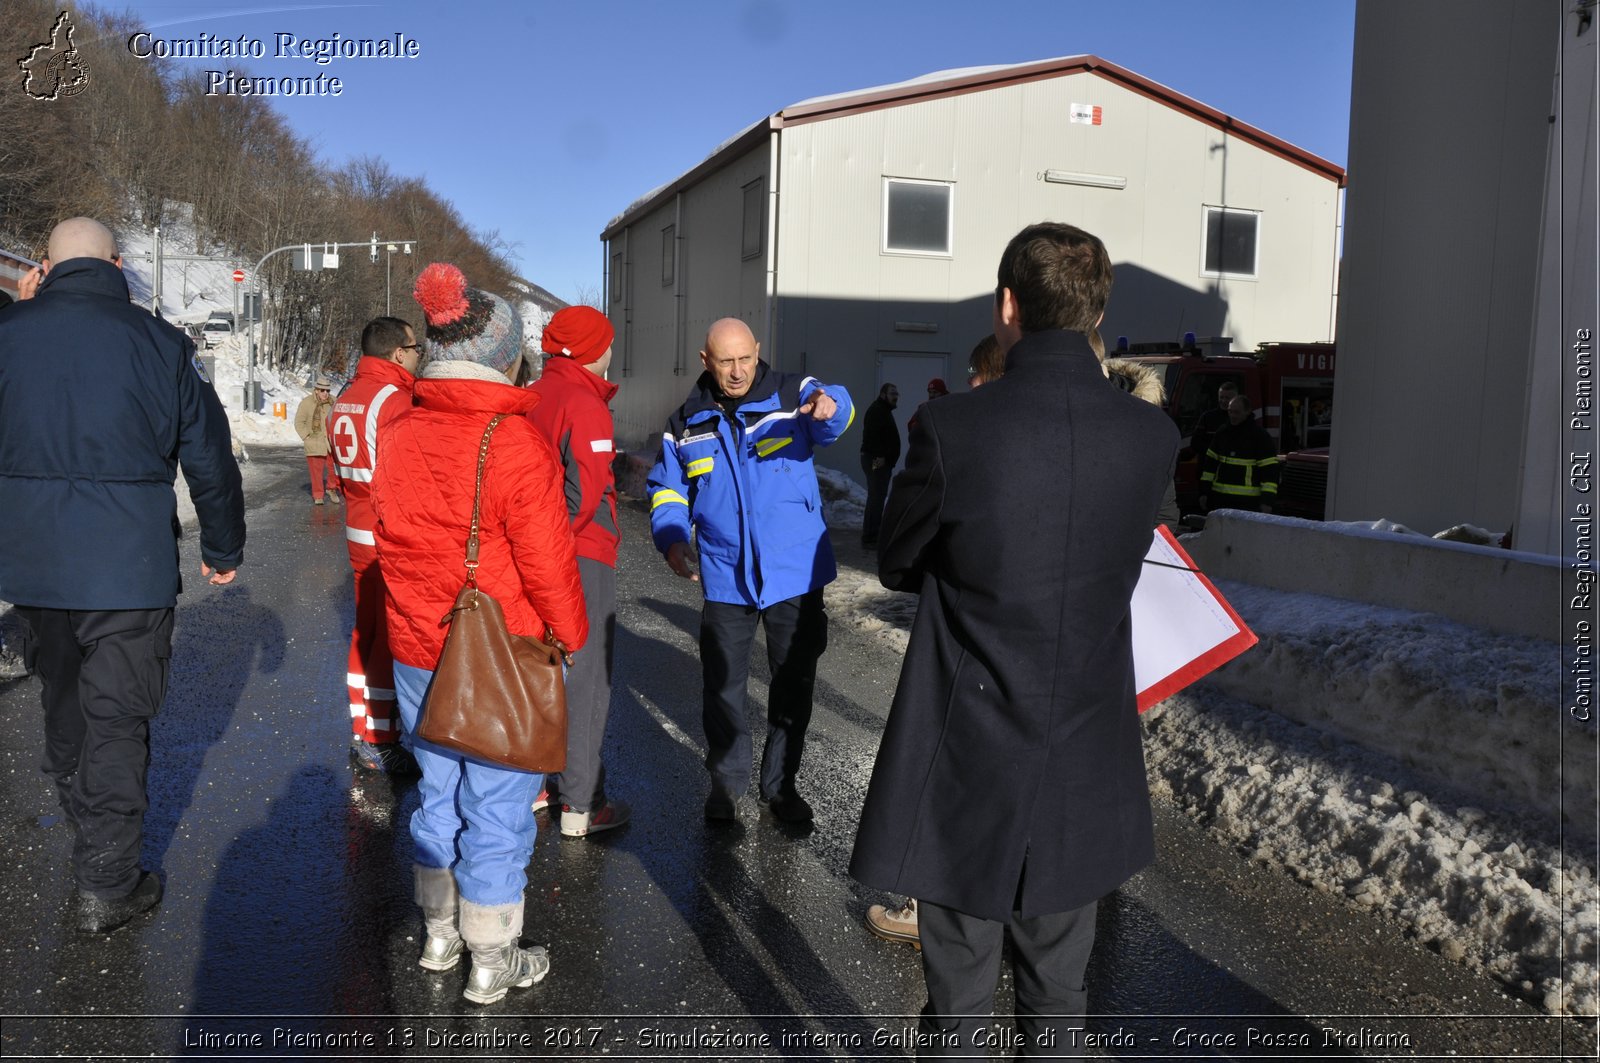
{"x": 616, "y": 277}
{"x": 1231, "y": 245}
{"x": 669, "y": 240}
{"x": 755, "y": 217}
{"x": 917, "y": 216}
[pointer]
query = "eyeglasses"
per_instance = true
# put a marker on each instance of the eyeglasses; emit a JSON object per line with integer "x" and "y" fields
{"x": 418, "y": 347}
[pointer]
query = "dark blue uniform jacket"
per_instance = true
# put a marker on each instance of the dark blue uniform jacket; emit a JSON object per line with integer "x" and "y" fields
{"x": 100, "y": 402}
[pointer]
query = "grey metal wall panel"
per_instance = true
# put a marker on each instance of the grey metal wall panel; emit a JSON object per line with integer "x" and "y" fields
{"x": 716, "y": 281}
{"x": 1560, "y": 426}
{"x": 1447, "y": 158}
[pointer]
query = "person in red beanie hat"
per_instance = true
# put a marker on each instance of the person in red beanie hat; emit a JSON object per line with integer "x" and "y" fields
{"x": 936, "y": 390}
{"x": 575, "y": 417}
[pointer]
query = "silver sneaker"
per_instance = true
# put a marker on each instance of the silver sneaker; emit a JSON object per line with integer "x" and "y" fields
{"x": 581, "y": 824}
{"x": 495, "y": 972}
{"x": 441, "y": 954}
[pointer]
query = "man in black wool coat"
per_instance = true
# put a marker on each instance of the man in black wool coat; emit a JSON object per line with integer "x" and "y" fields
{"x": 1009, "y": 790}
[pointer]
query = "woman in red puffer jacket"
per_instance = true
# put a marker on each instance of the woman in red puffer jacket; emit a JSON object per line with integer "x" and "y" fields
{"x": 474, "y": 830}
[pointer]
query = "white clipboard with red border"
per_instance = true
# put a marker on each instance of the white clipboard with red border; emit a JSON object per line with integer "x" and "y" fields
{"x": 1183, "y": 628}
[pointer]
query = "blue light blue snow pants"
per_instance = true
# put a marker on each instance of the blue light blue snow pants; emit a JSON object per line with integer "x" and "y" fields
{"x": 476, "y": 818}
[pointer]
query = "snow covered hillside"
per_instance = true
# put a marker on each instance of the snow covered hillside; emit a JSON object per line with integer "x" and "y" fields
{"x": 192, "y": 290}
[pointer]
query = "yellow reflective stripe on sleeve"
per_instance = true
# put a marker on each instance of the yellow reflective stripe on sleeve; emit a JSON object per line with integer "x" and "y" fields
{"x": 1235, "y": 489}
{"x": 667, "y": 497}
{"x": 850, "y": 421}
{"x": 767, "y": 446}
{"x": 698, "y": 467}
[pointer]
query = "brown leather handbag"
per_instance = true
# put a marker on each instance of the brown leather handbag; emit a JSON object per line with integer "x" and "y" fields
{"x": 495, "y": 696}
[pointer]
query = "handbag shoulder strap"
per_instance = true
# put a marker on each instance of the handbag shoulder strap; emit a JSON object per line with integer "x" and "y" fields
{"x": 477, "y": 501}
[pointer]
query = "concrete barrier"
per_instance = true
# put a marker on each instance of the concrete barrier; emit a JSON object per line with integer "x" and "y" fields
{"x": 1506, "y": 591}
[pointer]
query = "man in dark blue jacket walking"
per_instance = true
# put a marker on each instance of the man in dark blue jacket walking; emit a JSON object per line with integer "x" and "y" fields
{"x": 100, "y": 402}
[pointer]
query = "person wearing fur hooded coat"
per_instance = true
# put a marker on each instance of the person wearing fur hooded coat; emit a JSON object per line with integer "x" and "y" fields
{"x": 1143, "y": 382}
{"x": 474, "y": 831}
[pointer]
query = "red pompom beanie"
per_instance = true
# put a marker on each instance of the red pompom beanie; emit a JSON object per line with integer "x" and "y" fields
{"x": 937, "y": 384}
{"x": 582, "y": 333}
{"x": 466, "y": 324}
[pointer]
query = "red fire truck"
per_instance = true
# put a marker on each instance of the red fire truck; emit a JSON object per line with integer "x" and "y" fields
{"x": 1289, "y": 385}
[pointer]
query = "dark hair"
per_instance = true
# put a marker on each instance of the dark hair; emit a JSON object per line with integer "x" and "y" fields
{"x": 1059, "y": 275}
{"x": 885, "y": 389}
{"x": 987, "y": 361}
{"x": 383, "y": 336}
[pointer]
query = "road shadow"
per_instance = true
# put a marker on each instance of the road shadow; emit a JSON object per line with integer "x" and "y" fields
{"x": 220, "y": 643}
{"x": 304, "y": 909}
{"x": 726, "y": 884}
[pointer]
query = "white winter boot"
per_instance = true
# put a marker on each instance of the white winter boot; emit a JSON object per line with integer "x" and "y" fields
{"x": 436, "y": 895}
{"x": 499, "y": 962}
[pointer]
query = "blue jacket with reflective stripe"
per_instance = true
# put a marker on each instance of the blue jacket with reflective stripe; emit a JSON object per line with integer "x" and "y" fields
{"x": 746, "y": 485}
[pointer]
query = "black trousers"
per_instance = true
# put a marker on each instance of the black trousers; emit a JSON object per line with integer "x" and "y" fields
{"x": 877, "y": 494}
{"x": 797, "y": 633}
{"x": 961, "y": 965}
{"x": 104, "y": 674}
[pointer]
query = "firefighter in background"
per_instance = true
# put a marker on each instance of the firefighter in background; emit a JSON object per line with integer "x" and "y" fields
{"x": 1239, "y": 469}
{"x": 1212, "y": 421}
{"x": 379, "y": 392}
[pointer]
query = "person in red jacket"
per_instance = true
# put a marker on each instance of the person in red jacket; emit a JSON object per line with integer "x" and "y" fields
{"x": 474, "y": 829}
{"x": 575, "y": 418}
{"x": 379, "y": 392}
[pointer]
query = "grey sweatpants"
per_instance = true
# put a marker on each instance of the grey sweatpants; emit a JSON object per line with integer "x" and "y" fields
{"x": 583, "y": 784}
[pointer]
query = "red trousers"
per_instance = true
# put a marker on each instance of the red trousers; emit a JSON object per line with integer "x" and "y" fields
{"x": 322, "y": 472}
{"x": 371, "y": 671}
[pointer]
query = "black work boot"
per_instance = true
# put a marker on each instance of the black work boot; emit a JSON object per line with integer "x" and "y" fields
{"x": 97, "y": 914}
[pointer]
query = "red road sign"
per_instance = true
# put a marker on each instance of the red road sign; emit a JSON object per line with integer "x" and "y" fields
{"x": 238, "y": 276}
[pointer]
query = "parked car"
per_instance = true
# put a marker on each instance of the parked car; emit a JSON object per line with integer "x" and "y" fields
{"x": 197, "y": 333}
{"x": 216, "y": 330}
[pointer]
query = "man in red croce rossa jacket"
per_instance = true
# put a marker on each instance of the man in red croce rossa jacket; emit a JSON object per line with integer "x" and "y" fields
{"x": 573, "y": 415}
{"x": 379, "y": 392}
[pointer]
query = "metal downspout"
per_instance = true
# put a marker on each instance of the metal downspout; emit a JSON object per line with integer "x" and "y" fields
{"x": 770, "y": 330}
{"x": 677, "y": 286}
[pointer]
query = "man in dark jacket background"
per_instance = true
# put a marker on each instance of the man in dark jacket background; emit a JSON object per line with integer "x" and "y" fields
{"x": 100, "y": 402}
{"x": 1009, "y": 791}
{"x": 880, "y": 449}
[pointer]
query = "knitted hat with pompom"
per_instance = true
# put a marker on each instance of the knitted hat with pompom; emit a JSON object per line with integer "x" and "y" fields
{"x": 466, "y": 324}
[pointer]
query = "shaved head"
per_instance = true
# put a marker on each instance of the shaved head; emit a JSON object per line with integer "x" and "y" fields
{"x": 728, "y": 331}
{"x": 730, "y": 356}
{"x": 82, "y": 238}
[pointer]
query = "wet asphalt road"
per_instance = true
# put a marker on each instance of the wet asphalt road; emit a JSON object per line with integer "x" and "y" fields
{"x": 288, "y": 930}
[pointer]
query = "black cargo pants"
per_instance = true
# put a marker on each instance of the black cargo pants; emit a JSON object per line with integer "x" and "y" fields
{"x": 797, "y": 633}
{"x": 104, "y": 674}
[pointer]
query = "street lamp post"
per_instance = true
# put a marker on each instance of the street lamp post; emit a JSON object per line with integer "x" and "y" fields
{"x": 388, "y": 261}
{"x": 252, "y": 390}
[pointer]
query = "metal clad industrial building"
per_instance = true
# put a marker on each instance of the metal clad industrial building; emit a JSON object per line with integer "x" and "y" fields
{"x": 1076, "y": 140}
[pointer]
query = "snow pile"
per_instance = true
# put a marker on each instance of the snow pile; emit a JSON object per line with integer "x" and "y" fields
{"x": 856, "y": 593}
{"x": 1444, "y": 842}
{"x": 843, "y": 500}
{"x": 1399, "y": 682}
{"x": 278, "y": 393}
{"x": 1480, "y": 888}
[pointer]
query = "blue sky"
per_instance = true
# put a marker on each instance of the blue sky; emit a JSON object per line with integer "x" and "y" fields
{"x": 544, "y": 120}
